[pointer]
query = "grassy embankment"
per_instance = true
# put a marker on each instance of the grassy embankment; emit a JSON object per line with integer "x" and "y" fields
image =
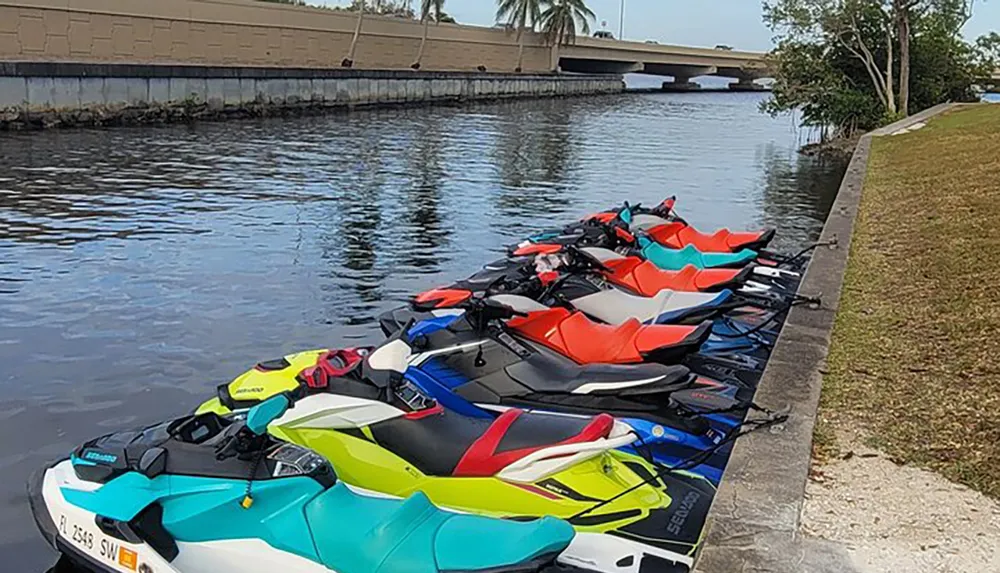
{"x": 915, "y": 361}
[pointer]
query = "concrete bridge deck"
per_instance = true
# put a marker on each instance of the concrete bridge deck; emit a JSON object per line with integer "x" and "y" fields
{"x": 595, "y": 55}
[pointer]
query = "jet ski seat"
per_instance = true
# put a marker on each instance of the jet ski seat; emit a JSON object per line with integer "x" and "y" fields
{"x": 358, "y": 534}
{"x": 617, "y": 307}
{"x": 646, "y": 279}
{"x": 676, "y": 259}
{"x": 443, "y": 442}
{"x": 677, "y": 235}
{"x": 665, "y": 307}
{"x": 587, "y": 342}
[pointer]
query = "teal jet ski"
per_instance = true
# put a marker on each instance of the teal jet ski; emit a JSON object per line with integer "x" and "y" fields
{"x": 615, "y": 236}
{"x": 204, "y": 493}
{"x": 676, "y": 259}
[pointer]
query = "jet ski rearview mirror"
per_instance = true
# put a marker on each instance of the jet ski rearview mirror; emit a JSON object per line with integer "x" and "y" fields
{"x": 153, "y": 462}
{"x": 250, "y": 435}
{"x": 495, "y": 310}
{"x": 440, "y": 298}
{"x": 266, "y": 412}
{"x": 626, "y": 214}
{"x": 391, "y": 357}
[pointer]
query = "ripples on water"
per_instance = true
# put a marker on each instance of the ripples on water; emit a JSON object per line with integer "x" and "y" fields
{"x": 139, "y": 268}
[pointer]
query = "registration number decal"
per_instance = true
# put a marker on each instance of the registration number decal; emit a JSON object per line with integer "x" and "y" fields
{"x": 100, "y": 546}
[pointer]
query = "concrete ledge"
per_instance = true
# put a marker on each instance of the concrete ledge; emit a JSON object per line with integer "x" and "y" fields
{"x": 39, "y": 95}
{"x": 753, "y": 524}
{"x": 915, "y": 119}
{"x": 80, "y": 69}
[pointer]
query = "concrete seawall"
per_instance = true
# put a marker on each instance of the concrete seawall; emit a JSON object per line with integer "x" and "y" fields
{"x": 38, "y": 95}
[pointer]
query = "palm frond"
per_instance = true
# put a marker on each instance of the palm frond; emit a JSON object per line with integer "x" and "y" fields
{"x": 562, "y": 19}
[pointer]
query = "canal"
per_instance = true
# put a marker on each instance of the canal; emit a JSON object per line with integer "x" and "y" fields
{"x": 140, "y": 268}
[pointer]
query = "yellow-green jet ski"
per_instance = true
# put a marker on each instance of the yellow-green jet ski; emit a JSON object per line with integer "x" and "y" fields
{"x": 384, "y": 434}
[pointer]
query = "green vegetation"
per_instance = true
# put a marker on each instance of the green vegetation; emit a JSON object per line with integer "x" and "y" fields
{"x": 523, "y": 15}
{"x": 914, "y": 362}
{"x": 561, "y": 19}
{"x": 853, "y": 65}
{"x": 398, "y": 8}
{"x": 427, "y": 9}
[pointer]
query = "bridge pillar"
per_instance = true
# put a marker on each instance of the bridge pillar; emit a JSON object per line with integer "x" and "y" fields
{"x": 681, "y": 84}
{"x": 746, "y": 84}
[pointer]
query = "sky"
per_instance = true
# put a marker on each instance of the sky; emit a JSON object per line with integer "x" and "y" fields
{"x": 736, "y": 23}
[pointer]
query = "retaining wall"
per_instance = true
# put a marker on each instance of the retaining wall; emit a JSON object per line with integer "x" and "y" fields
{"x": 247, "y": 33}
{"x": 34, "y": 95}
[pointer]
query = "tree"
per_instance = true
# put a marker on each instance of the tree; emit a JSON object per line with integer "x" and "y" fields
{"x": 562, "y": 18}
{"x": 400, "y": 9}
{"x": 861, "y": 27}
{"x": 901, "y": 14}
{"x": 988, "y": 53}
{"x": 522, "y": 14}
{"x": 426, "y": 7}
{"x": 951, "y": 14}
{"x": 349, "y": 60}
{"x": 836, "y": 59}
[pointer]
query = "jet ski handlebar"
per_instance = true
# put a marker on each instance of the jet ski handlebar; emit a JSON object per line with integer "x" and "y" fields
{"x": 580, "y": 259}
{"x": 249, "y": 436}
{"x": 486, "y": 309}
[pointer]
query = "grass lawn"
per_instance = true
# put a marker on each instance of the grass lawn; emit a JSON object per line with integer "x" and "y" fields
{"x": 915, "y": 359}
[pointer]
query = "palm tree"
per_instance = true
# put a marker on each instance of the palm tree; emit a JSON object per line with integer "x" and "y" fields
{"x": 561, "y": 20}
{"x": 520, "y": 13}
{"x": 426, "y": 7}
{"x": 349, "y": 60}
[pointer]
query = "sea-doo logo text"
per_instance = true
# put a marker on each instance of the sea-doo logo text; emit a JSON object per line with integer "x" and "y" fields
{"x": 556, "y": 489}
{"x": 682, "y": 513}
{"x": 253, "y": 389}
{"x": 100, "y": 457}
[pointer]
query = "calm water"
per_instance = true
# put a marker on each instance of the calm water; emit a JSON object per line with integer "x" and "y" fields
{"x": 139, "y": 268}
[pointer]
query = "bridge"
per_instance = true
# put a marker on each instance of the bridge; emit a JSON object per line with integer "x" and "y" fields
{"x": 682, "y": 63}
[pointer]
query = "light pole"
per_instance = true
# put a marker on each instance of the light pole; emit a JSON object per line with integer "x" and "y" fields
{"x": 621, "y": 22}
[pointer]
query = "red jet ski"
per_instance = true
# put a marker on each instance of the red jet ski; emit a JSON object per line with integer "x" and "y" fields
{"x": 644, "y": 278}
{"x": 664, "y": 226}
{"x": 584, "y": 341}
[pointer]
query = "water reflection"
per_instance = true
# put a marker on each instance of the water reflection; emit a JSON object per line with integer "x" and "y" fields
{"x": 818, "y": 178}
{"x": 534, "y": 154}
{"x": 139, "y": 268}
{"x": 426, "y": 232}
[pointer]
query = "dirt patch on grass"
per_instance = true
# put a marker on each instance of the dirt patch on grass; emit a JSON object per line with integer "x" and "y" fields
{"x": 900, "y": 518}
{"x": 915, "y": 361}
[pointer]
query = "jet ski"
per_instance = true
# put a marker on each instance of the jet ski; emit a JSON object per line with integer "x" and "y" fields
{"x": 668, "y": 436}
{"x": 559, "y": 360}
{"x": 616, "y": 235}
{"x": 557, "y": 333}
{"x": 645, "y": 278}
{"x": 207, "y": 493}
{"x": 382, "y": 432}
{"x": 663, "y": 225}
{"x": 740, "y": 323}
{"x": 767, "y": 287}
